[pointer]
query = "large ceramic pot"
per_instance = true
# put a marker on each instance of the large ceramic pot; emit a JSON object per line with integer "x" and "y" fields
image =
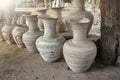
{"x": 41, "y": 13}
{"x": 60, "y": 27}
{"x": 79, "y": 52}
{"x": 77, "y": 11}
{"x": 7, "y": 33}
{"x": 1, "y": 36}
{"x": 50, "y": 44}
{"x": 32, "y": 34}
{"x": 18, "y": 32}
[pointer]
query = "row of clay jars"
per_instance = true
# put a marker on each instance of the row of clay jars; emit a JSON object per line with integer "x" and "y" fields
{"x": 19, "y": 30}
{"x": 7, "y": 31}
{"x": 50, "y": 44}
{"x": 13, "y": 33}
{"x": 60, "y": 27}
{"x": 79, "y": 52}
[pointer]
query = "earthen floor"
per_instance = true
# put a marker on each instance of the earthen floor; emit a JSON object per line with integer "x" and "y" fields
{"x": 17, "y": 64}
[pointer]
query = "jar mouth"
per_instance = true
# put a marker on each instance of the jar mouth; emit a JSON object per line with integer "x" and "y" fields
{"x": 84, "y": 20}
{"x": 57, "y": 7}
{"x": 19, "y": 25}
{"x": 81, "y": 21}
{"x": 49, "y": 18}
{"x": 8, "y": 24}
{"x": 40, "y": 10}
{"x": 30, "y": 15}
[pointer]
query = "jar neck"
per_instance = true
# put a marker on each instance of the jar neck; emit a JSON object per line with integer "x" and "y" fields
{"x": 58, "y": 12}
{"x": 50, "y": 28}
{"x": 32, "y": 23}
{"x": 79, "y": 5}
{"x": 79, "y": 34}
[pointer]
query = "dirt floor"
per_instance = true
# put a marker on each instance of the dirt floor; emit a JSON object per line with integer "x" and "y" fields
{"x": 17, "y": 64}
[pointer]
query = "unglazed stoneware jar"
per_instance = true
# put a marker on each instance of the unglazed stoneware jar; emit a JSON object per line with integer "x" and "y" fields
{"x": 41, "y": 14}
{"x": 32, "y": 34}
{"x": 79, "y": 52}
{"x": 50, "y": 44}
{"x": 77, "y": 11}
{"x": 18, "y": 32}
{"x": 7, "y": 33}
{"x": 60, "y": 27}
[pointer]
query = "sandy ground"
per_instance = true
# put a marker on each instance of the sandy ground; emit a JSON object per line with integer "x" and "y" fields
{"x": 18, "y": 64}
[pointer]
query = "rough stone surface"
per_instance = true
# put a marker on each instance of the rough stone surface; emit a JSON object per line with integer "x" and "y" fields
{"x": 18, "y": 64}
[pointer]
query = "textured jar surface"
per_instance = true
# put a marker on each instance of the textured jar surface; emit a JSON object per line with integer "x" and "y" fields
{"x": 79, "y": 57}
{"x": 50, "y": 49}
{"x": 29, "y": 41}
{"x": 17, "y": 33}
{"x": 7, "y": 33}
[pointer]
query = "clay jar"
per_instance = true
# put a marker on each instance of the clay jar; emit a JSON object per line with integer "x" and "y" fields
{"x": 50, "y": 44}
{"x": 41, "y": 13}
{"x": 77, "y": 11}
{"x": 79, "y": 52}
{"x": 7, "y": 33}
{"x": 32, "y": 34}
{"x": 18, "y": 31}
{"x": 60, "y": 27}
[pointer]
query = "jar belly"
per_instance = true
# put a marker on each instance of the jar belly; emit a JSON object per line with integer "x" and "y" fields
{"x": 79, "y": 58}
{"x": 50, "y": 49}
{"x": 17, "y": 33}
{"x": 7, "y": 34}
{"x": 31, "y": 47}
{"x": 29, "y": 41}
